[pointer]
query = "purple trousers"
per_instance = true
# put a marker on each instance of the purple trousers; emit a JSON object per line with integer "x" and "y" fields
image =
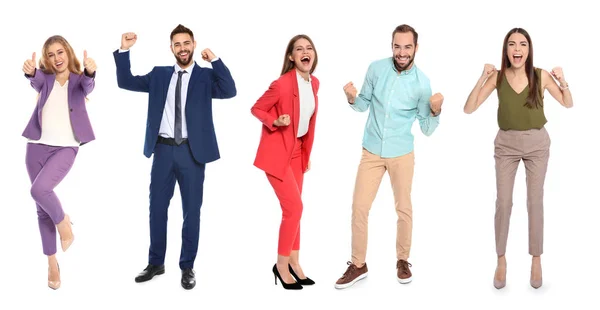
{"x": 47, "y": 166}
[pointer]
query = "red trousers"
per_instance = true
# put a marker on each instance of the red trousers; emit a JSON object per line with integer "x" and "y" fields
{"x": 289, "y": 191}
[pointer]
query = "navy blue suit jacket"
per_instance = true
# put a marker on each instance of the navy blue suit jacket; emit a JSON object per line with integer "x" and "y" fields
{"x": 204, "y": 85}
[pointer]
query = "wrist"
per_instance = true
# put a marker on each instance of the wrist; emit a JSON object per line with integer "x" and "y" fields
{"x": 563, "y": 85}
{"x": 89, "y": 72}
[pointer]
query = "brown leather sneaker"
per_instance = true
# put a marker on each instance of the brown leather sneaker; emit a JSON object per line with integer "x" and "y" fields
{"x": 352, "y": 275}
{"x": 404, "y": 274}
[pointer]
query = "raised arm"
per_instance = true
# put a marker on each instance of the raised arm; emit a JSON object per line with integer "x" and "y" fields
{"x": 363, "y": 101}
{"x": 126, "y": 80}
{"x": 223, "y": 86}
{"x": 482, "y": 90}
{"x": 261, "y": 109}
{"x": 561, "y": 92}
{"x": 36, "y": 78}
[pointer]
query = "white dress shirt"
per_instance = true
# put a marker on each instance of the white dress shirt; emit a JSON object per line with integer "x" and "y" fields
{"x": 167, "y": 124}
{"x": 56, "y": 119}
{"x": 307, "y": 103}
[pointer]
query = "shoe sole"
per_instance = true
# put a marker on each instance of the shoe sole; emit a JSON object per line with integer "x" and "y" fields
{"x": 152, "y": 277}
{"x": 404, "y": 281}
{"x": 349, "y": 284}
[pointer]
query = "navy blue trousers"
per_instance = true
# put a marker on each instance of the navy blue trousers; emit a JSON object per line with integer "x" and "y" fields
{"x": 175, "y": 164}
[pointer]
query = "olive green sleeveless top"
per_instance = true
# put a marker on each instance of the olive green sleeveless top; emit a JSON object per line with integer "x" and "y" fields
{"x": 513, "y": 114}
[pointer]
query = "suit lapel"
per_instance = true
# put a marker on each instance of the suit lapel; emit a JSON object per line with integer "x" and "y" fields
{"x": 192, "y": 82}
{"x": 73, "y": 80}
{"x": 50, "y": 79}
{"x": 314, "y": 88}
{"x": 165, "y": 88}
{"x": 295, "y": 102}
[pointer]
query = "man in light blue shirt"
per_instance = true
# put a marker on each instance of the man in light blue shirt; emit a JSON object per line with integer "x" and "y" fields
{"x": 396, "y": 93}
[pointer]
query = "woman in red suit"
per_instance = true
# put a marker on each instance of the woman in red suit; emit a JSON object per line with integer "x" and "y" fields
{"x": 288, "y": 111}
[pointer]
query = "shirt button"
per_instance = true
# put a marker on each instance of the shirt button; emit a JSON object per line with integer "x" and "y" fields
{"x": 387, "y": 116}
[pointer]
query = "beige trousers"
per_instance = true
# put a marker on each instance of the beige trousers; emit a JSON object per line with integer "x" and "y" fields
{"x": 368, "y": 179}
{"x": 533, "y": 148}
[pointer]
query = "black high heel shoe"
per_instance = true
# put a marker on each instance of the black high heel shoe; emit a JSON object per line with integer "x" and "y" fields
{"x": 306, "y": 281}
{"x": 287, "y": 286}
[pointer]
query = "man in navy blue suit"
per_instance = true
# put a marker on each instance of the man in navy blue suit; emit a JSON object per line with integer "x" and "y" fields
{"x": 180, "y": 133}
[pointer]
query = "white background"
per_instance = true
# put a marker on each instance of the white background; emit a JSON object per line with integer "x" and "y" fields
{"x": 453, "y": 254}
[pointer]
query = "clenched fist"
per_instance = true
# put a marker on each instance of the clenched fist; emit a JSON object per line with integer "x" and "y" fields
{"x": 128, "y": 39}
{"x": 350, "y": 91}
{"x": 283, "y": 120}
{"x": 488, "y": 70}
{"x": 436, "y": 103}
{"x": 89, "y": 64}
{"x": 29, "y": 65}
{"x": 207, "y": 55}
{"x": 557, "y": 73}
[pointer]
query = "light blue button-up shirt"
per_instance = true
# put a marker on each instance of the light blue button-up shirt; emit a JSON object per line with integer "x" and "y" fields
{"x": 394, "y": 102}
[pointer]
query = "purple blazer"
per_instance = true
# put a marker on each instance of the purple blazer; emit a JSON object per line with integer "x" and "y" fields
{"x": 80, "y": 85}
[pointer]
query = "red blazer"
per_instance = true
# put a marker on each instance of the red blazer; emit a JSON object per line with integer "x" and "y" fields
{"x": 277, "y": 143}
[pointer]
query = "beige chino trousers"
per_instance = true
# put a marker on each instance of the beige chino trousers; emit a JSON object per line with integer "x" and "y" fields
{"x": 368, "y": 179}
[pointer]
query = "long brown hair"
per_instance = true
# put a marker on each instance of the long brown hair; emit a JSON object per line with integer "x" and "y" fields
{"x": 46, "y": 65}
{"x": 534, "y": 99}
{"x": 288, "y": 64}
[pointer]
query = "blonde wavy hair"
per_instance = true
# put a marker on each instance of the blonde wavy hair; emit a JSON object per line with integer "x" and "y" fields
{"x": 46, "y": 65}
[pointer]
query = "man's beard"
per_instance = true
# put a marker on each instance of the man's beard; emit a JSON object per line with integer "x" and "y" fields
{"x": 189, "y": 59}
{"x": 402, "y": 68}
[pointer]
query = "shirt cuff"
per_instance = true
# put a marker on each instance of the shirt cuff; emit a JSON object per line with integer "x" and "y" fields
{"x": 123, "y": 51}
{"x": 215, "y": 59}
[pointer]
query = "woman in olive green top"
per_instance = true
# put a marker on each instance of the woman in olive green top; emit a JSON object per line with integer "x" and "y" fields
{"x": 522, "y": 136}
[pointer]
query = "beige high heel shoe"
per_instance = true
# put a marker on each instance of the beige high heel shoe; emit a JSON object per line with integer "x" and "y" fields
{"x": 66, "y": 243}
{"x": 54, "y": 284}
{"x": 535, "y": 283}
{"x": 497, "y": 283}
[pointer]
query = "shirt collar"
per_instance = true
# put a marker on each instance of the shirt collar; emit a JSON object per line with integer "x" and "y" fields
{"x": 188, "y": 69}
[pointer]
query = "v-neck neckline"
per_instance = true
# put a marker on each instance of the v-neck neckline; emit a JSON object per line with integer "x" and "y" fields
{"x": 513, "y": 89}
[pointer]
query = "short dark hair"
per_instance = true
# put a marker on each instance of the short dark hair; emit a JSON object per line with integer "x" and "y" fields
{"x": 181, "y": 29}
{"x": 404, "y": 28}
